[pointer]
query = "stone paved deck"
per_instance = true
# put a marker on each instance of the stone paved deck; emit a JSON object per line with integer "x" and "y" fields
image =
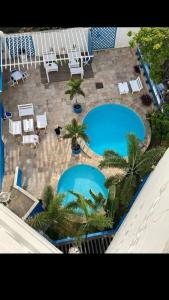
{"x": 44, "y": 165}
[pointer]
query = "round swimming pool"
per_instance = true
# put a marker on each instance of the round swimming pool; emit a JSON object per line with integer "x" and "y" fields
{"x": 81, "y": 178}
{"x": 108, "y": 126}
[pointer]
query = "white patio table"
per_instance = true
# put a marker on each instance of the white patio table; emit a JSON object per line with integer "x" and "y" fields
{"x": 28, "y": 125}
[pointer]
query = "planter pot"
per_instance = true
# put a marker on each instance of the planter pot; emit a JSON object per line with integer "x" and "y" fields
{"x": 77, "y": 108}
{"x": 76, "y": 150}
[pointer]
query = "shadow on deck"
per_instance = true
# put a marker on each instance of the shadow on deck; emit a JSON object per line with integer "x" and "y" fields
{"x": 64, "y": 73}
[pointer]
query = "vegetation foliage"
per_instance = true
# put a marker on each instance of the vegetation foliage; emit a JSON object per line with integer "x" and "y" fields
{"x": 75, "y": 89}
{"x": 159, "y": 123}
{"x": 154, "y": 45}
{"x": 135, "y": 168}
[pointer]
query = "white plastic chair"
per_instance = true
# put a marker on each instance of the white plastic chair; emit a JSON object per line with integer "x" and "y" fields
{"x": 15, "y": 127}
{"x": 136, "y": 85}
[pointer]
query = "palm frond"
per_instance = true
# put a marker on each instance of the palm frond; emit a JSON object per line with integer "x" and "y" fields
{"x": 113, "y": 180}
{"x": 99, "y": 222}
{"x": 74, "y": 85}
{"x": 127, "y": 188}
{"x": 80, "y": 92}
{"x": 90, "y": 203}
{"x": 148, "y": 160}
{"x": 83, "y": 136}
{"x": 81, "y": 202}
{"x": 48, "y": 195}
{"x": 98, "y": 199}
{"x": 72, "y": 205}
{"x": 112, "y": 201}
{"x": 67, "y": 136}
{"x": 39, "y": 221}
{"x": 114, "y": 160}
{"x": 134, "y": 150}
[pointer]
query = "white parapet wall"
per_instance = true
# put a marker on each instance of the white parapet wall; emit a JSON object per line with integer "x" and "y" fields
{"x": 122, "y": 40}
{"x": 146, "y": 227}
{"x": 18, "y": 237}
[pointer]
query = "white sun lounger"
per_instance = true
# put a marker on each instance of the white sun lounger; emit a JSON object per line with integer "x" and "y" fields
{"x": 30, "y": 139}
{"x": 26, "y": 110}
{"x": 15, "y": 127}
{"x": 136, "y": 85}
{"x": 123, "y": 88}
{"x": 41, "y": 121}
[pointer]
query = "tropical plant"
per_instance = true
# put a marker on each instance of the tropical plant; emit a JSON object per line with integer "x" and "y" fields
{"x": 93, "y": 219}
{"x": 74, "y": 132}
{"x": 75, "y": 89}
{"x": 57, "y": 221}
{"x": 154, "y": 45}
{"x": 159, "y": 123}
{"x": 166, "y": 95}
{"x": 135, "y": 167}
{"x": 146, "y": 100}
{"x": 137, "y": 69}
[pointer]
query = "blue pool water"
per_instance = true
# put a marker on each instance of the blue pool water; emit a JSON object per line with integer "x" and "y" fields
{"x": 108, "y": 126}
{"x": 81, "y": 178}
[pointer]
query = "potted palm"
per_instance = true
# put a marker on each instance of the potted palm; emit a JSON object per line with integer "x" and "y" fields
{"x": 75, "y": 131}
{"x": 73, "y": 91}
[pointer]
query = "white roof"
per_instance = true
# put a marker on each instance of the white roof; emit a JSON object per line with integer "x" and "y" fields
{"x": 145, "y": 229}
{"x": 36, "y": 46}
{"x": 18, "y": 237}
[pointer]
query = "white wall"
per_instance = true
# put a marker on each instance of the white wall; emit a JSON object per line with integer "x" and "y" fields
{"x": 122, "y": 40}
{"x": 18, "y": 237}
{"x": 146, "y": 227}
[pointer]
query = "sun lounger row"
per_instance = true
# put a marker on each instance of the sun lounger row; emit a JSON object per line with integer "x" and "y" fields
{"x": 15, "y": 127}
{"x": 136, "y": 86}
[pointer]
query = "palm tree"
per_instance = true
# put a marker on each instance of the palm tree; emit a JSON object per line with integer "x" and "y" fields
{"x": 74, "y": 132}
{"x": 135, "y": 167}
{"x": 75, "y": 89}
{"x": 57, "y": 221}
{"x": 93, "y": 219}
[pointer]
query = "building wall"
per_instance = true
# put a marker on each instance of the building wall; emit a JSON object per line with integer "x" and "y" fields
{"x": 122, "y": 40}
{"x": 145, "y": 229}
{"x": 18, "y": 237}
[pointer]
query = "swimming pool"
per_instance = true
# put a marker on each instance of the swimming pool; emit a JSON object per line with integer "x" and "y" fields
{"x": 108, "y": 126}
{"x": 81, "y": 178}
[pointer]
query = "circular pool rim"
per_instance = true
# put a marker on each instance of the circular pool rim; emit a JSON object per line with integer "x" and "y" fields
{"x": 147, "y": 128}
